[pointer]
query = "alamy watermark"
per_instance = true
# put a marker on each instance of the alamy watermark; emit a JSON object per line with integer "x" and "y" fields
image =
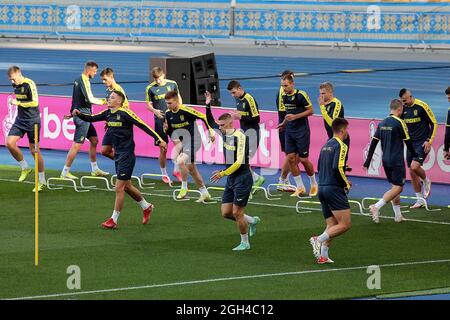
{"x": 374, "y": 280}
{"x": 73, "y": 17}
{"x": 74, "y": 279}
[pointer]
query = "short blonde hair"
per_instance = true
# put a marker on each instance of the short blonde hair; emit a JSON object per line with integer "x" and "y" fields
{"x": 157, "y": 72}
{"x": 327, "y": 85}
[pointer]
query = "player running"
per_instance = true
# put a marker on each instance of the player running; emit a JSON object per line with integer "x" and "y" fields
{"x": 331, "y": 108}
{"x": 109, "y": 81}
{"x": 447, "y": 129}
{"x": 82, "y": 100}
{"x": 392, "y": 132}
{"x": 181, "y": 128}
{"x": 239, "y": 180}
{"x": 333, "y": 189}
{"x": 248, "y": 115}
{"x": 298, "y": 109}
{"x": 120, "y": 122}
{"x": 156, "y": 103}
{"x": 422, "y": 127}
{"x": 27, "y": 102}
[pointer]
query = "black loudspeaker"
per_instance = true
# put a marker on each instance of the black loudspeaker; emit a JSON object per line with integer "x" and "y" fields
{"x": 204, "y": 66}
{"x": 178, "y": 70}
{"x": 194, "y": 75}
{"x": 207, "y": 84}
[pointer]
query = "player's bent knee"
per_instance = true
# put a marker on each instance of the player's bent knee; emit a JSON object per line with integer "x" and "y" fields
{"x": 415, "y": 166}
{"x": 292, "y": 159}
{"x": 10, "y": 144}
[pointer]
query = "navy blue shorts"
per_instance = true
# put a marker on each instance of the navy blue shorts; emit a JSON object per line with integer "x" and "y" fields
{"x": 238, "y": 189}
{"x": 395, "y": 175}
{"x": 332, "y": 198}
{"x": 297, "y": 142}
{"x": 282, "y": 137}
{"x": 107, "y": 138}
{"x": 159, "y": 129}
{"x": 124, "y": 163}
{"x": 421, "y": 155}
{"x": 83, "y": 130}
{"x": 20, "y": 128}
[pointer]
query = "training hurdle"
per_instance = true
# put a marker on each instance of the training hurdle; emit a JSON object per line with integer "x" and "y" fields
{"x": 402, "y": 197}
{"x": 266, "y": 194}
{"x": 276, "y": 185}
{"x": 154, "y": 175}
{"x": 114, "y": 177}
{"x": 299, "y": 207}
{"x": 59, "y": 187}
{"x": 376, "y": 199}
{"x": 216, "y": 189}
{"x": 174, "y": 196}
{"x": 85, "y": 186}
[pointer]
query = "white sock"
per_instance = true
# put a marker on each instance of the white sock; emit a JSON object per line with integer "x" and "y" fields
{"x": 397, "y": 211}
{"x": 419, "y": 194}
{"x": 244, "y": 238}
{"x": 298, "y": 181}
{"x": 324, "y": 251}
{"x": 203, "y": 190}
{"x": 143, "y": 204}
{"x": 380, "y": 204}
{"x": 65, "y": 171}
{"x": 184, "y": 185}
{"x": 323, "y": 237}
{"x": 255, "y": 176}
{"x": 249, "y": 219}
{"x": 283, "y": 181}
{"x": 42, "y": 177}
{"x": 176, "y": 167}
{"x": 115, "y": 216}
{"x": 23, "y": 164}
{"x": 312, "y": 179}
{"x": 94, "y": 166}
{"x": 164, "y": 171}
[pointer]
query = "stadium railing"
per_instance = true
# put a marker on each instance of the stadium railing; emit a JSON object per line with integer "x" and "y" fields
{"x": 139, "y": 22}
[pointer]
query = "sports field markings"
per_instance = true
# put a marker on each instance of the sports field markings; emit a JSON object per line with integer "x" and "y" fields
{"x": 251, "y": 202}
{"x": 193, "y": 282}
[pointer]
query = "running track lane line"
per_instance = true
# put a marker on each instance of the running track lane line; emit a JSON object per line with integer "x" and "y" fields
{"x": 184, "y": 283}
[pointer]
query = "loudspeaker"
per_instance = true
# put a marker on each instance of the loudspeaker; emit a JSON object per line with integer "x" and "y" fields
{"x": 194, "y": 75}
{"x": 204, "y": 66}
{"x": 207, "y": 84}
{"x": 178, "y": 70}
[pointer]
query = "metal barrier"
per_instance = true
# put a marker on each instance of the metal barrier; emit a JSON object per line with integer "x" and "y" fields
{"x": 154, "y": 175}
{"x": 174, "y": 196}
{"x": 138, "y": 21}
{"x": 427, "y": 208}
{"x": 84, "y": 186}
{"x": 59, "y": 187}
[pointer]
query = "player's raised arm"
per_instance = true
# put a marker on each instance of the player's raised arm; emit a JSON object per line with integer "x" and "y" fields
{"x": 133, "y": 118}
{"x": 209, "y": 115}
{"x": 102, "y": 116}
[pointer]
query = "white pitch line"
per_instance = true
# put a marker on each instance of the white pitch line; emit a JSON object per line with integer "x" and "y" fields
{"x": 184, "y": 283}
{"x": 250, "y": 202}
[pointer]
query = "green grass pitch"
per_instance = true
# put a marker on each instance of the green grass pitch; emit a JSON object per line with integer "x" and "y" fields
{"x": 185, "y": 250}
